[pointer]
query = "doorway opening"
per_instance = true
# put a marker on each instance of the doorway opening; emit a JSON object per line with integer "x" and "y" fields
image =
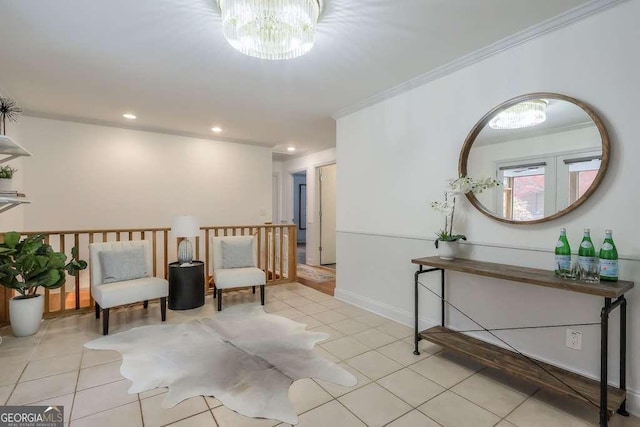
{"x": 300, "y": 214}
{"x": 327, "y": 214}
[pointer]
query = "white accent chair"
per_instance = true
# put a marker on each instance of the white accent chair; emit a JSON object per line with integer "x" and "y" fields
{"x": 107, "y": 295}
{"x": 238, "y": 277}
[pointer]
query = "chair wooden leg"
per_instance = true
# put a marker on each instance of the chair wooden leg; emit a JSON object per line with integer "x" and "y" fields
{"x": 262, "y": 294}
{"x": 163, "y": 308}
{"x": 145, "y": 303}
{"x": 254, "y": 289}
{"x": 219, "y": 299}
{"x": 105, "y": 321}
{"x": 97, "y": 311}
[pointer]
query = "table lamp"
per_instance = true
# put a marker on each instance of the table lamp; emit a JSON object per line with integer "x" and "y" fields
{"x": 185, "y": 226}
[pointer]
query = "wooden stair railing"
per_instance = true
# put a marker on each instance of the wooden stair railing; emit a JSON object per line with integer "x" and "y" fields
{"x": 276, "y": 256}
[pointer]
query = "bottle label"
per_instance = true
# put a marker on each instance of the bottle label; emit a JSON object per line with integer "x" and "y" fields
{"x": 559, "y": 244}
{"x": 588, "y": 263}
{"x": 607, "y": 246}
{"x": 563, "y": 262}
{"x": 609, "y": 268}
{"x": 586, "y": 244}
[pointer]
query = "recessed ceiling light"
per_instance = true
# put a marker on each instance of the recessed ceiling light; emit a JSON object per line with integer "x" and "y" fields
{"x": 291, "y": 148}
{"x": 129, "y": 116}
{"x": 216, "y": 129}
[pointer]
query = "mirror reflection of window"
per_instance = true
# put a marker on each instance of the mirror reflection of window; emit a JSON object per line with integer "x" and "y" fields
{"x": 523, "y": 192}
{"x": 582, "y": 173}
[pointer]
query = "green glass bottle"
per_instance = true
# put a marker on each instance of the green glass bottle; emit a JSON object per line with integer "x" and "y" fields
{"x": 563, "y": 253}
{"x": 608, "y": 259}
{"x": 587, "y": 259}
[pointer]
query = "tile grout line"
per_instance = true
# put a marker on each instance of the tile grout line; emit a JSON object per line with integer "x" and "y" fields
{"x": 351, "y": 336}
{"x": 140, "y": 408}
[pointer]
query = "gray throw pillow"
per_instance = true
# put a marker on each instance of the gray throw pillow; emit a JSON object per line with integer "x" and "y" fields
{"x": 237, "y": 253}
{"x": 122, "y": 265}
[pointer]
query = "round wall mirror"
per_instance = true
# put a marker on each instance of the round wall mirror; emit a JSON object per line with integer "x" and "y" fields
{"x": 548, "y": 151}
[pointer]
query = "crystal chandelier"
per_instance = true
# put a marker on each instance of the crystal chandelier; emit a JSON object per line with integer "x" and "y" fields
{"x": 521, "y": 115}
{"x": 270, "y": 29}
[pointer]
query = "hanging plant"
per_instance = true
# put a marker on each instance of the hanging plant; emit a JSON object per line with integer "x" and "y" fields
{"x": 9, "y": 110}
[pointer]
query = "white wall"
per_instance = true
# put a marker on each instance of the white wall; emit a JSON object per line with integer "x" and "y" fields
{"x": 308, "y": 163}
{"x": 395, "y": 156}
{"x": 276, "y": 208}
{"x": 91, "y": 177}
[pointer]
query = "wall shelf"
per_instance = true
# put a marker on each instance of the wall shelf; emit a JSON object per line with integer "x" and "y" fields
{"x": 12, "y": 149}
{"x": 7, "y": 203}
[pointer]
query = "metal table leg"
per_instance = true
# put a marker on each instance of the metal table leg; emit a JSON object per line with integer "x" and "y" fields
{"x": 604, "y": 347}
{"x": 415, "y": 301}
{"x": 623, "y": 353}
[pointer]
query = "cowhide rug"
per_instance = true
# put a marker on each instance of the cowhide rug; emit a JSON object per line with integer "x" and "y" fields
{"x": 243, "y": 356}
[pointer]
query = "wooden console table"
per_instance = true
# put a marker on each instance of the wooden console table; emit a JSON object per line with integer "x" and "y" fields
{"x": 609, "y": 399}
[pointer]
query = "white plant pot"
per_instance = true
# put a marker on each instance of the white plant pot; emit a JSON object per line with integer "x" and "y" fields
{"x": 447, "y": 250}
{"x": 6, "y": 184}
{"x": 26, "y": 315}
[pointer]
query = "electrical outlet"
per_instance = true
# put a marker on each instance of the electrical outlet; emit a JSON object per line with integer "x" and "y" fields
{"x": 574, "y": 339}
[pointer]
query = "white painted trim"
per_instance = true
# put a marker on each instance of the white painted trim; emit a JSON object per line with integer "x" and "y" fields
{"x": 406, "y": 318}
{"x": 469, "y": 242}
{"x": 552, "y": 24}
{"x": 633, "y": 403}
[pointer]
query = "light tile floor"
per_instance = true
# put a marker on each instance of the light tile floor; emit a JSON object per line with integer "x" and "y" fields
{"x": 395, "y": 388}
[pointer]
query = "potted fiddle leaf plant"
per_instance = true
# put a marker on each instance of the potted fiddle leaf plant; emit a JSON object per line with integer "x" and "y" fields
{"x": 446, "y": 241}
{"x": 25, "y": 266}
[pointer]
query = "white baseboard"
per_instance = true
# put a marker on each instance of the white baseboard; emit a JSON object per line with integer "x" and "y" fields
{"x": 633, "y": 403}
{"x": 382, "y": 309}
{"x": 406, "y": 318}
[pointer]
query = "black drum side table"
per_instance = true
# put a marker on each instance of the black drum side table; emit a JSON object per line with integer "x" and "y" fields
{"x": 186, "y": 285}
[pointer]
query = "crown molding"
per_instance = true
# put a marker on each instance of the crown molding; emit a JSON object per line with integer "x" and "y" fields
{"x": 567, "y": 18}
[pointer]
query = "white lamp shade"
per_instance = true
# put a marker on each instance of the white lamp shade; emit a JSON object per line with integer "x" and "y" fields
{"x": 185, "y": 226}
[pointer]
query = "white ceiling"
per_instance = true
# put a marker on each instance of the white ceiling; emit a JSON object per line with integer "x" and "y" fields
{"x": 562, "y": 116}
{"x": 167, "y": 61}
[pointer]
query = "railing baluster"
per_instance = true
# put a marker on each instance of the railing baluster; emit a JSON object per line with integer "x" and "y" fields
{"x": 91, "y": 301}
{"x": 63, "y": 288}
{"x": 206, "y": 256}
{"x": 47, "y": 304}
{"x": 259, "y": 248}
{"x": 292, "y": 254}
{"x": 166, "y": 253}
{"x": 76, "y": 244}
{"x": 273, "y": 254}
{"x": 281, "y": 239}
{"x": 155, "y": 252}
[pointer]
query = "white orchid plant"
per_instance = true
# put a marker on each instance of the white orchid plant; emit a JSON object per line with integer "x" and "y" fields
{"x": 461, "y": 185}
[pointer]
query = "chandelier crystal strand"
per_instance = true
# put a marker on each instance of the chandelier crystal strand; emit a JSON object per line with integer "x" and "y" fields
{"x": 270, "y": 29}
{"x": 522, "y": 115}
